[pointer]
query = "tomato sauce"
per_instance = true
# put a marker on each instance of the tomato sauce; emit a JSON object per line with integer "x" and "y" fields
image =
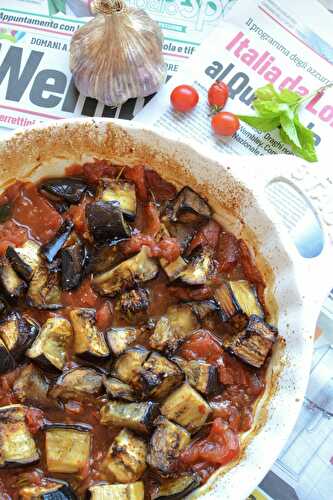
{"x": 33, "y": 216}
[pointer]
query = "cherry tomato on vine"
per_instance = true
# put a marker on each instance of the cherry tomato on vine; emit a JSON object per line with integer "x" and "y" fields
{"x": 184, "y": 98}
{"x": 218, "y": 94}
{"x": 225, "y": 123}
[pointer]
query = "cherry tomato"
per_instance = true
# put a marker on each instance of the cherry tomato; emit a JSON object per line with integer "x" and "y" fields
{"x": 225, "y": 123}
{"x": 218, "y": 94}
{"x": 184, "y": 98}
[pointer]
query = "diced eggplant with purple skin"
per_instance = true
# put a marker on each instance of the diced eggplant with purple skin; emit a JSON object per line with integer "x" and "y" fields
{"x": 18, "y": 333}
{"x": 5, "y": 212}
{"x": 200, "y": 375}
{"x": 134, "y": 301}
{"x": 51, "y": 346}
{"x": 13, "y": 286}
{"x": 136, "y": 416}
{"x": 178, "y": 488}
{"x": 67, "y": 447}
{"x": 3, "y": 306}
{"x": 72, "y": 262}
{"x": 70, "y": 189}
{"x": 31, "y": 387}
{"x": 139, "y": 268}
{"x": 44, "y": 290}
{"x": 200, "y": 267}
{"x": 106, "y": 222}
{"x": 159, "y": 376}
{"x": 130, "y": 491}
{"x": 125, "y": 461}
{"x": 52, "y": 490}
{"x": 7, "y": 362}
{"x": 105, "y": 257}
{"x": 183, "y": 233}
{"x": 120, "y": 338}
{"x": 237, "y": 301}
{"x": 24, "y": 260}
{"x": 189, "y": 207}
{"x": 121, "y": 192}
{"x": 89, "y": 342}
{"x": 166, "y": 443}
{"x": 203, "y": 308}
{"x": 128, "y": 366}
{"x": 78, "y": 384}
{"x": 17, "y": 446}
{"x": 119, "y": 390}
{"x": 51, "y": 249}
{"x": 255, "y": 343}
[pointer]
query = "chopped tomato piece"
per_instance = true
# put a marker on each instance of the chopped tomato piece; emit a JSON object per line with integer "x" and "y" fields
{"x": 78, "y": 215}
{"x": 12, "y": 234}
{"x": 186, "y": 294}
{"x": 220, "y": 447}
{"x": 74, "y": 170}
{"x": 10, "y": 194}
{"x": 34, "y": 419}
{"x": 227, "y": 252}
{"x": 152, "y": 219}
{"x": 201, "y": 346}
{"x": 233, "y": 371}
{"x": 36, "y": 213}
{"x": 168, "y": 248}
{"x": 93, "y": 171}
{"x": 84, "y": 296}
{"x": 162, "y": 190}
{"x": 104, "y": 316}
{"x": 137, "y": 175}
{"x": 250, "y": 270}
{"x": 207, "y": 235}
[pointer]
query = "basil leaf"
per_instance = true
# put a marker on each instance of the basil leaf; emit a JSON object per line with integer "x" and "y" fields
{"x": 265, "y": 124}
{"x": 269, "y": 108}
{"x": 307, "y": 150}
{"x": 266, "y": 93}
{"x": 289, "y": 97}
{"x": 5, "y": 212}
{"x": 289, "y": 127}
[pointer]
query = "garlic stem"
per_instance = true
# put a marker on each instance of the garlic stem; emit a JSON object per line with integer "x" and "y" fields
{"x": 109, "y": 6}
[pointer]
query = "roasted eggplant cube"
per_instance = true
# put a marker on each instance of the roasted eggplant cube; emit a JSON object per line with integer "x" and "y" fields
{"x": 159, "y": 376}
{"x": 21, "y": 265}
{"x": 200, "y": 375}
{"x": 17, "y": 446}
{"x": 120, "y": 338}
{"x": 18, "y": 333}
{"x": 173, "y": 328}
{"x": 132, "y": 491}
{"x": 127, "y": 274}
{"x": 186, "y": 407}
{"x": 254, "y": 344}
{"x": 166, "y": 444}
{"x": 189, "y": 207}
{"x": 70, "y": 189}
{"x": 121, "y": 192}
{"x": 51, "y": 346}
{"x": 134, "y": 301}
{"x": 78, "y": 384}
{"x": 119, "y": 390}
{"x": 89, "y": 342}
{"x": 125, "y": 461}
{"x": 203, "y": 308}
{"x": 31, "y": 387}
{"x": 7, "y": 362}
{"x": 67, "y": 448}
{"x": 13, "y": 286}
{"x": 51, "y": 249}
{"x": 44, "y": 290}
{"x": 136, "y": 416}
{"x": 53, "y": 490}
{"x": 177, "y": 488}
{"x": 29, "y": 253}
{"x": 175, "y": 268}
{"x": 72, "y": 262}
{"x": 183, "y": 233}
{"x": 128, "y": 366}
{"x": 106, "y": 222}
{"x": 200, "y": 267}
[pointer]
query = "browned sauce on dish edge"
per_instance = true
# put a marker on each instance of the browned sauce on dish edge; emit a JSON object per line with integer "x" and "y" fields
{"x": 31, "y": 212}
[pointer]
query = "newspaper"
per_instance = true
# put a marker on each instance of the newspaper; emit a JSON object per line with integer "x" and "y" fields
{"x": 35, "y": 81}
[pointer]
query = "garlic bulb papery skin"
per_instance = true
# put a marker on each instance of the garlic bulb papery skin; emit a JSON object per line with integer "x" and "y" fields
{"x": 118, "y": 54}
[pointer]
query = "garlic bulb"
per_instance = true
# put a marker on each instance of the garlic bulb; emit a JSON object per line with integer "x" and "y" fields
{"x": 118, "y": 54}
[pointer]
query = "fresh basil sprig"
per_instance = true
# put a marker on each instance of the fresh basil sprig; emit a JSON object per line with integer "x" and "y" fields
{"x": 281, "y": 110}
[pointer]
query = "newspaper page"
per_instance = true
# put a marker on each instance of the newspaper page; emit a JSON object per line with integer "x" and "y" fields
{"x": 35, "y": 81}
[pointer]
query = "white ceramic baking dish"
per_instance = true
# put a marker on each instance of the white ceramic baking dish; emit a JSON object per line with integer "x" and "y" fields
{"x": 235, "y": 187}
